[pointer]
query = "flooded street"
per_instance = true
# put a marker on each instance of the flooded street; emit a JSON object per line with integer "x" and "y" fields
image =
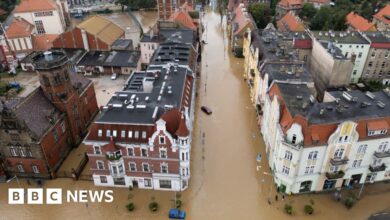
{"x": 225, "y": 183}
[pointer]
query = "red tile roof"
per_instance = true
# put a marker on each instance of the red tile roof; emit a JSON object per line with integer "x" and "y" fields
{"x": 35, "y": 5}
{"x": 182, "y": 131}
{"x": 302, "y": 43}
{"x": 19, "y": 28}
{"x": 384, "y": 14}
{"x": 377, "y": 125}
{"x": 184, "y": 19}
{"x": 172, "y": 119}
{"x": 44, "y": 42}
{"x": 242, "y": 20}
{"x": 359, "y": 23}
{"x": 289, "y": 3}
{"x": 290, "y": 22}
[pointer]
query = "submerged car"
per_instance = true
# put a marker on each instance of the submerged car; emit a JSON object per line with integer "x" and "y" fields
{"x": 177, "y": 214}
{"x": 206, "y": 110}
{"x": 258, "y": 158}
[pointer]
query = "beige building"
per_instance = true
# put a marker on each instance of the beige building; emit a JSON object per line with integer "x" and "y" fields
{"x": 377, "y": 67}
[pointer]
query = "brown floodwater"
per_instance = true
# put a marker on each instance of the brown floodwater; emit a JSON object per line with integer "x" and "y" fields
{"x": 225, "y": 183}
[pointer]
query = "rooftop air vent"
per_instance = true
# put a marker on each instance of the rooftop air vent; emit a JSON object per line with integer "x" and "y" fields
{"x": 347, "y": 96}
{"x": 381, "y": 104}
{"x": 370, "y": 95}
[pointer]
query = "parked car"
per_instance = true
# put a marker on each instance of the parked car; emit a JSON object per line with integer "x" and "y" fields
{"x": 206, "y": 110}
{"x": 114, "y": 76}
{"x": 177, "y": 214}
{"x": 258, "y": 158}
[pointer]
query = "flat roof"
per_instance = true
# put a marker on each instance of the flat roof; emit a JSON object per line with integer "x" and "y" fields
{"x": 173, "y": 35}
{"x": 115, "y": 58}
{"x": 147, "y": 95}
{"x": 340, "y": 37}
{"x": 172, "y": 52}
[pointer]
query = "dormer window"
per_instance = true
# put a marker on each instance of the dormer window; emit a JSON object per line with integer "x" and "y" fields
{"x": 294, "y": 139}
{"x": 162, "y": 140}
{"x": 100, "y": 133}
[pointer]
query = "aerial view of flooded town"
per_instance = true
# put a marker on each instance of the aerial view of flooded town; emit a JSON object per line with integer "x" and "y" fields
{"x": 195, "y": 109}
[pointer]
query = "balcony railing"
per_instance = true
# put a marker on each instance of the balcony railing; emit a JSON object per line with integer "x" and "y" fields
{"x": 379, "y": 168}
{"x": 338, "y": 161}
{"x": 336, "y": 175}
{"x": 382, "y": 154}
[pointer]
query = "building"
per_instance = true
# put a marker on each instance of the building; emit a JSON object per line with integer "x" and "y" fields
{"x": 314, "y": 146}
{"x": 37, "y": 132}
{"x": 19, "y": 35}
{"x": 382, "y": 19}
{"x": 356, "y": 22}
{"x": 318, "y": 3}
{"x": 352, "y": 45}
{"x": 285, "y": 6}
{"x": 104, "y": 62}
{"x": 48, "y": 16}
{"x": 241, "y": 20}
{"x": 272, "y": 56}
{"x": 96, "y": 33}
{"x": 290, "y": 23}
{"x": 182, "y": 18}
{"x": 168, "y": 34}
{"x": 142, "y": 138}
{"x": 377, "y": 66}
{"x": 166, "y": 8}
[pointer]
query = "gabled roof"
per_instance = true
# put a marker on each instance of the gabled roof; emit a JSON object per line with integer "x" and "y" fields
{"x": 35, "y": 5}
{"x": 288, "y": 3}
{"x": 182, "y": 131}
{"x": 241, "y": 20}
{"x": 19, "y": 28}
{"x": 184, "y": 19}
{"x": 384, "y": 14}
{"x": 103, "y": 28}
{"x": 44, "y": 42}
{"x": 290, "y": 22}
{"x": 359, "y": 23}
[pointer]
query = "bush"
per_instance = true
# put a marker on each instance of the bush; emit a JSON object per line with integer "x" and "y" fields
{"x": 309, "y": 209}
{"x": 130, "y": 207}
{"x": 288, "y": 209}
{"x": 349, "y": 202}
{"x": 178, "y": 203}
{"x": 153, "y": 206}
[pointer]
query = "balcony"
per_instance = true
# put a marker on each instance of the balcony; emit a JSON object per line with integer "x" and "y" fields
{"x": 379, "y": 168}
{"x": 336, "y": 175}
{"x": 113, "y": 157}
{"x": 338, "y": 161}
{"x": 382, "y": 154}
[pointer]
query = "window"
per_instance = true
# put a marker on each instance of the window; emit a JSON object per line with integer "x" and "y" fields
{"x": 165, "y": 184}
{"x": 39, "y": 26}
{"x": 383, "y": 146}
{"x": 356, "y": 163}
{"x": 373, "y": 54}
{"x": 186, "y": 155}
{"x": 354, "y": 72}
{"x": 120, "y": 168}
{"x": 370, "y": 64}
{"x": 108, "y": 133}
{"x": 35, "y": 169}
{"x": 100, "y": 133}
{"x": 20, "y": 168}
{"x": 13, "y": 152}
{"x": 386, "y": 55}
{"x": 43, "y": 13}
{"x": 123, "y": 134}
{"x": 136, "y": 134}
{"x": 103, "y": 179}
{"x": 294, "y": 139}
{"x": 97, "y": 149}
{"x": 22, "y": 153}
{"x": 162, "y": 140}
{"x": 305, "y": 58}
{"x": 334, "y": 168}
{"x": 132, "y": 167}
{"x": 345, "y": 138}
{"x": 164, "y": 168}
{"x": 148, "y": 182}
{"x": 145, "y": 167}
{"x": 130, "y": 134}
{"x": 144, "y": 135}
{"x": 360, "y": 54}
{"x": 55, "y": 134}
{"x": 338, "y": 153}
{"x": 163, "y": 153}
{"x": 362, "y": 149}
{"x": 288, "y": 155}
{"x": 114, "y": 133}
{"x": 313, "y": 155}
{"x": 28, "y": 152}
{"x": 346, "y": 54}
{"x": 100, "y": 165}
{"x": 285, "y": 170}
{"x": 63, "y": 128}
{"x": 182, "y": 156}
{"x": 144, "y": 152}
{"x": 86, "y": 100}
{"x": 309, "y": 170}
{"x": 377, "y": 162}
{"x": 130, "y": 151}
{"x": 383, "y": 131}
{"x": 15, "y": 137}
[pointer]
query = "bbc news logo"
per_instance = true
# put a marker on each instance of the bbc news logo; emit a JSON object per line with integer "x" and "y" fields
{"x": 55, "y": 196}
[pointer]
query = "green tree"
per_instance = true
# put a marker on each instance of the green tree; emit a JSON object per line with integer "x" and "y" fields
{"x": 320, "y": 20}
{"x": 308, "y": 11}
{"x": 261, "y": 13}
{"x": 366, "y": 10}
